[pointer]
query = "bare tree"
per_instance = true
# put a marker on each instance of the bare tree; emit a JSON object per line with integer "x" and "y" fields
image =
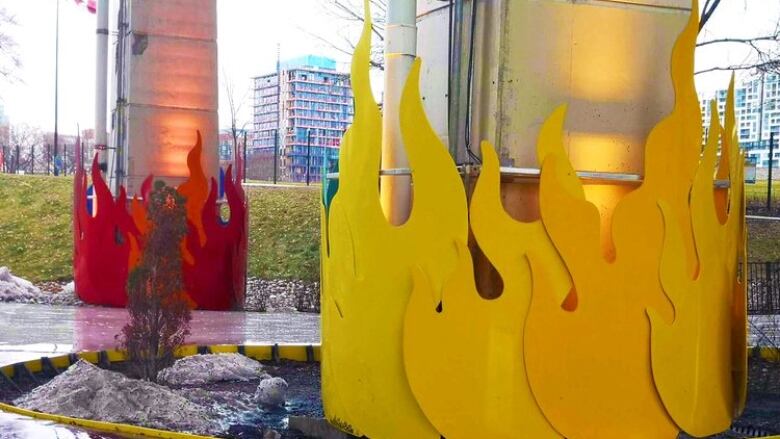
{"x": 764, "y": 48}
{"x": 28, "y": 143}
{"x": 350, "y": 14}
{"x": 9, "y": 57}
{"x": 235, "y": 104}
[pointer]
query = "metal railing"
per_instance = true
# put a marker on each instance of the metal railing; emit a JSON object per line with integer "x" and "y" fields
{"x": 763, "y": 288}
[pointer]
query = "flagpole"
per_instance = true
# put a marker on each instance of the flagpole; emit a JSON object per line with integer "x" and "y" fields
{"x": 56, "y": 87}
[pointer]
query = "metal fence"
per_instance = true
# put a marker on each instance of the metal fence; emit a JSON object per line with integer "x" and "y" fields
{"x": 764, "y": 288}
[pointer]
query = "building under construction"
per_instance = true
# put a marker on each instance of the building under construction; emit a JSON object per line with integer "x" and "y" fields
{"x": 300, "y": 114}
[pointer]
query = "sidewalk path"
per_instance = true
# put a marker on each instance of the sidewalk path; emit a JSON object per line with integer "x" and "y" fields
{"x": 33, "y": 331}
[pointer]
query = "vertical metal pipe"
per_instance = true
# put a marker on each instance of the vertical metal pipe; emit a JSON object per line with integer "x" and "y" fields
{"x": 244, "y": 156}
{"x": 400, "y": 51}
{"x": 455, "y": 96}
{"x": 118, "y": 156}
{"x": 56, "y": 85}
{"x": 771, "y": 165}
{"x": 276, "y": 152}
{"x": 308, "y": 155}
{"x": 101, "y": 84}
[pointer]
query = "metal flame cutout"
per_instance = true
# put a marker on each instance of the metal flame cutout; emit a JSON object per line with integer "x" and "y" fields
{"x": 367, "y": 263}
{"x": 108, "y": 244}
{"x": 641, "y": 341}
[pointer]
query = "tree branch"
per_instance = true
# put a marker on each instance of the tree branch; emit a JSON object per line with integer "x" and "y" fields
{"x": 738, "y": 40}
{"x": 772, "y": 65}
{"x": 709, "y": 8}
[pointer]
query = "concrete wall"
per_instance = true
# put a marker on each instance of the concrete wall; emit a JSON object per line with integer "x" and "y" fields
{"x": 172, "y": 88}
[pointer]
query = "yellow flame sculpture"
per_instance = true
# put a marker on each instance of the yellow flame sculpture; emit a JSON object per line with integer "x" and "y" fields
{"x": 640, "y": 342}
{"x": 457, "y": 339}
{"x": 367, "y": 263}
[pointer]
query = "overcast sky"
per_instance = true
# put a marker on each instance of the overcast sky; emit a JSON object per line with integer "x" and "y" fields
{"x": 249, "y": 31}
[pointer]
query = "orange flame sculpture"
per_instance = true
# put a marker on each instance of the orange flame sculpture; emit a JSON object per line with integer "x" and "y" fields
{"x": 108, "y": 243}
{"x": 644, "y": 341}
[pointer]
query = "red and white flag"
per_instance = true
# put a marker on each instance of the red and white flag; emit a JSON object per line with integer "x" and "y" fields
{"x": 91, "y": 5}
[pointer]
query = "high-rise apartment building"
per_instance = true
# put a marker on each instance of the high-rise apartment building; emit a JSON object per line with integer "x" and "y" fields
{"x": 757, "y": 110}
{"x": 300, "y": 113}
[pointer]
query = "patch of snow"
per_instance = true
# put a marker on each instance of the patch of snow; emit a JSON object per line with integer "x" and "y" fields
{"x": 211, "y": 368}
{"x": 86, "y": 391}
{"x": 13, "y": 288}
{"x": 272, "y": 392}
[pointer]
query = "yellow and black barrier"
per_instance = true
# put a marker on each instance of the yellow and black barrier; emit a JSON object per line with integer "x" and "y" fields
{"x": 275, "y": 352}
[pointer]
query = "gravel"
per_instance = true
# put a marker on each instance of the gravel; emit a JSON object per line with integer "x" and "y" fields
{"x": 282, "y": 295}
{"x": 263, "y": 295}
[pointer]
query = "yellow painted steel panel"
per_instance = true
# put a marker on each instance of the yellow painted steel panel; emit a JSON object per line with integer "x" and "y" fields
{"x": 223, "y": 348}
{"x": 293, "y": 352}
{"x": 186, "y": 351}
{"x": 367, "y": 264}
{"x": 116, "y": 355}
{"x": 258, "y": 352}
{"x": 692, "y": 360}
{"x": 92, "y": 357}
{"x": 34, "y": 365}
{"x": 60, "y": 362}
{"x": 567, "y": 362}
{"x": 456, "y": 337}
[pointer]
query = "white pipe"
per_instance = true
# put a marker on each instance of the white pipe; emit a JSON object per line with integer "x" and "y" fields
{"x": 400, "y": 52}
{"x": 101, "y": 78}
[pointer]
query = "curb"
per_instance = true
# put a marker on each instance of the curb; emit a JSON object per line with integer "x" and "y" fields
{"x": 275, "y": 352}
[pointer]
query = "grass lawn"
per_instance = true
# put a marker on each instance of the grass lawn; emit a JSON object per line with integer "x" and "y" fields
{"x": 36, "y": 241}
{"x": 35, "y": 226}
{"x": 35, "y": 230}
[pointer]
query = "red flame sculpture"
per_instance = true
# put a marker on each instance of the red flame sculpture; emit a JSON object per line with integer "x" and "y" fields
{"x": 108, "y": 242}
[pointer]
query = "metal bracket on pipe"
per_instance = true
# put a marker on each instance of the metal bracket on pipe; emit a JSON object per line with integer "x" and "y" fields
{"x": 534, "y": 173}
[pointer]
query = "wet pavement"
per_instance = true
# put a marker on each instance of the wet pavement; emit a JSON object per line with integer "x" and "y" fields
{"x": 33, "y": 331}
{"x": 13, "y": 426}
